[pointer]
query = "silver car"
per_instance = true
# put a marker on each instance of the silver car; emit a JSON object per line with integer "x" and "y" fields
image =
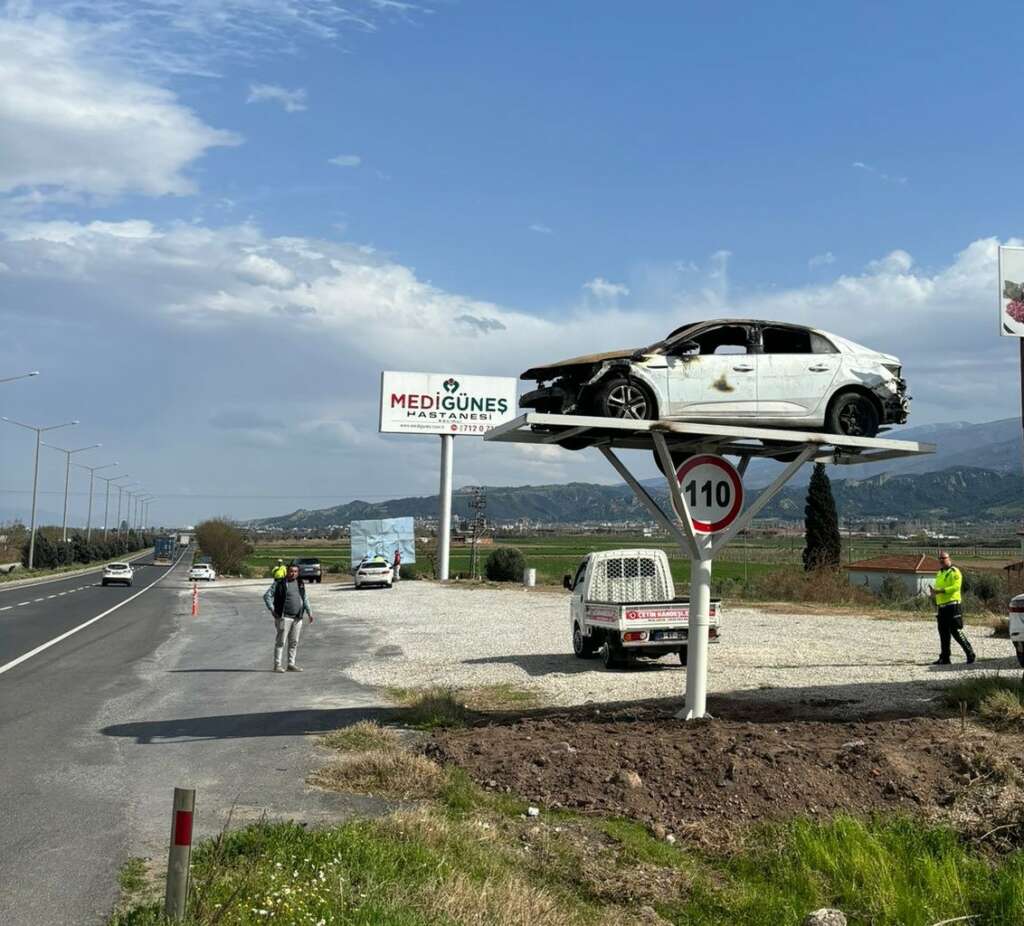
{"x": 733, "y": 371}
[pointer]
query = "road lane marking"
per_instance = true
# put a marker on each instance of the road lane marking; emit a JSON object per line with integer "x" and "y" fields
{"x": 45, "y": 646}
{"x": 40, "y": 599}
{"x": 8, "y": 608}
{"x": 48, "y": 597}
{"x": 22, "y": 604}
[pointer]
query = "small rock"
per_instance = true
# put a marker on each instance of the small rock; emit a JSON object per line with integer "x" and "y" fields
{"x": 492, "y": 783}
{"x": 629, "y": 778}
{"x": 854, "y": 744}
{"x": 826, "y": 916}
{"x": 533, "y": 811}
{"x": 670, "y": 839}
{"x": 658, "y": 831}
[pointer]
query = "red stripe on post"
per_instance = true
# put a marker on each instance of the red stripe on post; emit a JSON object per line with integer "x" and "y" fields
{"x": 183, "y": 828}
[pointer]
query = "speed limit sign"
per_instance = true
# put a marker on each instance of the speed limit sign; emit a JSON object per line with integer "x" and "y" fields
{"x": 712, "y": 490}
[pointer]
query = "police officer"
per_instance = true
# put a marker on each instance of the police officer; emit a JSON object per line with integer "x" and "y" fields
{"x": 280, "y": 570}
{"x": 946, "y": 592}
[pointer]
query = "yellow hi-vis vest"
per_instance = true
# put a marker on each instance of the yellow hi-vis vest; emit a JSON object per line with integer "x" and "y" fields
{"x": 947, "y": 585}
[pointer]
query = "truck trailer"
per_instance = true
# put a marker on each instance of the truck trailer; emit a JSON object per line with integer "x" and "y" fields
{"x": 164, "y": 549}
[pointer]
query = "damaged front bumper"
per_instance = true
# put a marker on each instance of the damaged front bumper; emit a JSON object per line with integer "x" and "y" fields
{"x": 896, "y": 404}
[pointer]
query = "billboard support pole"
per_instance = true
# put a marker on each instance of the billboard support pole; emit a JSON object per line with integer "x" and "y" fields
{"x": 444, "y": 522}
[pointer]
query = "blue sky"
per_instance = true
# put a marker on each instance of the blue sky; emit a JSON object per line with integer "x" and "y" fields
{"x": 232, "y": 214}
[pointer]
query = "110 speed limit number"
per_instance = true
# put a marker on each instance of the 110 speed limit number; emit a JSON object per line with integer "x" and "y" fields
{"x": 712, "y": 490}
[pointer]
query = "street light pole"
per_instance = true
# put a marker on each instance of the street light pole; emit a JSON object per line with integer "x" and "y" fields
{"x": 106, "y": 506}
{"x": 67, "y": 478}
{"x": 11, "y": 379}
{"x": 92, "y": 476}
{"x": 122, "y": 489}
{"x": 35, "y": 476}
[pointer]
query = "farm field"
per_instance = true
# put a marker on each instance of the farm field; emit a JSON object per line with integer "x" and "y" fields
{"x": 555, "y": 555}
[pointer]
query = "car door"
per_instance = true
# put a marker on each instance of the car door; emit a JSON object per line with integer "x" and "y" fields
{"x": 795, "y": 372}
{"x": 713, "y": 374}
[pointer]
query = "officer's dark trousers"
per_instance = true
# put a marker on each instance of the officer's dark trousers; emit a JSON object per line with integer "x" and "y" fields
{"x": 951, "y": 625}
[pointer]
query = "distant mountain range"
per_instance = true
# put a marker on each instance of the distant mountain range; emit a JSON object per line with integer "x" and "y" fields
{"x": 976, "y": 474}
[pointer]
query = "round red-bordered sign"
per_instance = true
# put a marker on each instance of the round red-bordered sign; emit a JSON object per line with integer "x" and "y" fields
{"x": 712, "y": 490}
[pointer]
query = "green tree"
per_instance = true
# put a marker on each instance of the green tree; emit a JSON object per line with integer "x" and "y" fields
{"x": 505, "y": 564}
{"x": 224, "y": 543}
{"x": 823, "y": 548}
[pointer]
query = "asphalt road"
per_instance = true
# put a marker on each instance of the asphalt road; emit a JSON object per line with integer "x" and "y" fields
{"x": 98, "y": 729}
{"x": 33, "y": 614}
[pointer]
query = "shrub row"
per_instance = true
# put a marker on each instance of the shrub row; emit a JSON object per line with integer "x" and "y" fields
{"x": 51, "y": 552}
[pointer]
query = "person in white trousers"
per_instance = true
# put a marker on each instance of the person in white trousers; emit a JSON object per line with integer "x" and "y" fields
{"x": 286, "y": 600}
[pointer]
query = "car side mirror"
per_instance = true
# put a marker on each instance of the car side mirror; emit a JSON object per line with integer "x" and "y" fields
{"x": 567, "y": 582}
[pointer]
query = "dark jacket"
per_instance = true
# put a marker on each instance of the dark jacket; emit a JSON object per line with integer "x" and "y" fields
{"x": 274, "y": 598}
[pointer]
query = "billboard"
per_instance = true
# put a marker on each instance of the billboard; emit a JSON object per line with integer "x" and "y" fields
{"x": 444, "y": 403}
{"x": 381, "y": 538}
{"x": 1011, "y": 292}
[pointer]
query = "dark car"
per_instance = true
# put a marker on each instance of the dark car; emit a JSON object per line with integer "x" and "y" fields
{"x": 309, "y": 569}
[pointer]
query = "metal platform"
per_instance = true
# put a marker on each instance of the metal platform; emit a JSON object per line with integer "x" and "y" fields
{"x": 691, "y": 437}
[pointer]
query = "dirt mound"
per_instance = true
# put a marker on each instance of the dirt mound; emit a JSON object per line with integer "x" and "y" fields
{"x": 708, "y": 779}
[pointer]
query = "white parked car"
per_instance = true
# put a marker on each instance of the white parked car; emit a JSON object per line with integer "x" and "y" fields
{"x": 117, "y": 573}
{"x": 202, "y": 571}
{"x": 374, "y": 573}
{"x": 733, "y": 371}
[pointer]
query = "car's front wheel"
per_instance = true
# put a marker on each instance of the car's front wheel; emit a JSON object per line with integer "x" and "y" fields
{"x": 852, "y": 415}
{"x": 622, "y": 397}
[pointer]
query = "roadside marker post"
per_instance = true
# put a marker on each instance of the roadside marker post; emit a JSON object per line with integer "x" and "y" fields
{"x": 706, "y": 491}
{"x": 179, "y": 856}
{"x": 195, "y": 599}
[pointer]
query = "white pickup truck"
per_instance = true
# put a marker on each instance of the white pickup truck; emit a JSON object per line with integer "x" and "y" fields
{"x": 1017, "y": 626}
{"x": 624, "y": 605}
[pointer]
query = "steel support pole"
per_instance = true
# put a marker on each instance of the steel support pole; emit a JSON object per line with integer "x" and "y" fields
{"x": 67, "y": 484}
{"x": 119, "y": 491}
{"x": 106, "y": 510}
{"x": 88, "y": 518}
{"x": 697, "y": 640}
{"x": 444, "y": 525}
{"x": 35, "y": 484}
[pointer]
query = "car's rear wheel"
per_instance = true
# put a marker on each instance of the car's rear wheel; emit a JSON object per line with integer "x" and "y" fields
{"x": 104, "y": 583}
{"x": 1020, "y": 652}
{"x": 622, "y": 397}
{"x": 852, "y": 415}
{"x": 582, "y": 647}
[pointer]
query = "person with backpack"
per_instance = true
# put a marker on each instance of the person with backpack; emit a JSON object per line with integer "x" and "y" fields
{"x": 286, "y": 599}
{"x": 396, "y": 568}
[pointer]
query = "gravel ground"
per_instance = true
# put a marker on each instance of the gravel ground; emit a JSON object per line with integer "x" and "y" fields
{"x": 426, "y": 634}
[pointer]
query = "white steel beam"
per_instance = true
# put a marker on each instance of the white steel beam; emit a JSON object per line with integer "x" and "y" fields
{"x": 682, "y": 510}
{"x": 645, "y": 498}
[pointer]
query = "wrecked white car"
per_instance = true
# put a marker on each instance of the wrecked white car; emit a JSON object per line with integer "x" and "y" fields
{"x": 733, "y": 371}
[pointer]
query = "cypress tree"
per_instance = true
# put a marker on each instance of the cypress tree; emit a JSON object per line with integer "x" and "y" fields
{"x": 821, "y": 524}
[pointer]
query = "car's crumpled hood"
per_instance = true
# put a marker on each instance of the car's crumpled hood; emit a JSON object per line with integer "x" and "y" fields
{"x": 547, "y": 370}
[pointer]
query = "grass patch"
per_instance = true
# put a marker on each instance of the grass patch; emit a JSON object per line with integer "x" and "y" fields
{"x": 430, "y": 708}
{"x": 1004, "y": 708}
{"x": 430, "y": 869}
{"x": 975, "y": 691}
{"x": 361, "y": 737}
{"x": 391, "y": 773}
{"x": 132, "y": 876}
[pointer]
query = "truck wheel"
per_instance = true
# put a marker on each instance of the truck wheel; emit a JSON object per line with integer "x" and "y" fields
{"x": 1020, "y": 652}
{"x": 611, "y": 656}
{"x": 682, "y": 655}
{"x": 582, "y": 647}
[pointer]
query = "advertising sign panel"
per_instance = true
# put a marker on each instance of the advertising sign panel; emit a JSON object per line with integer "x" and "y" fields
{"x": 444, "y": 403}
{"x": 1011, "y": 292}
{"x": 382, "y": 537}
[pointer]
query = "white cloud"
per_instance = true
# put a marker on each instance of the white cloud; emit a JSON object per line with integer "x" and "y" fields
{"x": 69, "y": 125}
{"x": 604, "y": 291}
{"x": 541, "y": 229}
{"x": 345, "y": 160}
{"x": 822, "y": 260}
{"x": 895, "y": 262}
{"x": 193, "y": 36}
{"x": 874, "y": 171}
{"x": 292, "y": 101}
